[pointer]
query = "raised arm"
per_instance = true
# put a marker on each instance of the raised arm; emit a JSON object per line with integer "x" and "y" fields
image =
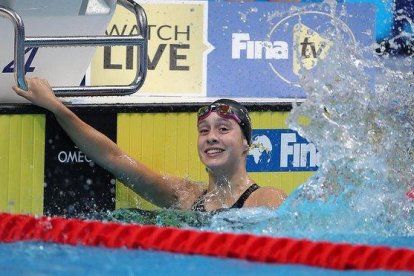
{"x": 164, "y": 191}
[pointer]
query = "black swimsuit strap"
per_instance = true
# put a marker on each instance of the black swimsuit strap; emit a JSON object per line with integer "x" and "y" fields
{"x": 199, "y": 204}
{"x": 239, "y": 203}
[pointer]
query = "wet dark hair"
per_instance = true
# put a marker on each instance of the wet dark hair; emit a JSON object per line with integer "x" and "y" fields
{"x": 243, "y": 114}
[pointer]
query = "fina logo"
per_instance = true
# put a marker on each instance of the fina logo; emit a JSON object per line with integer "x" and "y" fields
{"x": 307, "y": 46}
{"x": 254, "y": 49}
{"x": 278, "y": 150}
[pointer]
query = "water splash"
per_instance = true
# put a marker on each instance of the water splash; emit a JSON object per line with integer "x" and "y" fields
{"x": 364, "y": 133}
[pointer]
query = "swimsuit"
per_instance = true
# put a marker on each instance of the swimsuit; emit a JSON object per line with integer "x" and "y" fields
{"x": 199, "y": 204}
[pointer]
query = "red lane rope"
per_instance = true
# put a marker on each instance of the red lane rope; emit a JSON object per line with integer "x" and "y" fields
{"x": 243, "y": 246}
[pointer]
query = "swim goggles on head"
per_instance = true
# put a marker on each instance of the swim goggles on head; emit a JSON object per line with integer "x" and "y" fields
{"x": 223, "y": 110}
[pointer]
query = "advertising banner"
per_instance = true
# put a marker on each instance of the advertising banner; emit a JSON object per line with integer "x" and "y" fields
{"x": 256, "y": 50}
{"x": 177, "y": 33}
{"x": 260, "y": 48}
{"x": 281, "y": 150}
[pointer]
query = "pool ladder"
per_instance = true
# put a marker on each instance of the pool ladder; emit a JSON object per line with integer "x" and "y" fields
{"x": 140, "y": 40}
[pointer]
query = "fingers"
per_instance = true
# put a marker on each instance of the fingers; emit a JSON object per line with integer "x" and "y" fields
{"x": 18, "y": 90}
{"x": 32, "y": 83}
{"x": 36, "y": 86}
{"x": 21, "y": 92}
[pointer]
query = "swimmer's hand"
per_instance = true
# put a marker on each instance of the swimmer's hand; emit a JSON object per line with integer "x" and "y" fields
{"x": 39, "y": 93}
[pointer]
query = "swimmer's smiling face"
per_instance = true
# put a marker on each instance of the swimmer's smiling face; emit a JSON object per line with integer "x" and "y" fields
{"x": 221, "y": 144}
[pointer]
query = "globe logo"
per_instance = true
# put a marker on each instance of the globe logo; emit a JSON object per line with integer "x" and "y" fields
{"x": 261, "y": 149}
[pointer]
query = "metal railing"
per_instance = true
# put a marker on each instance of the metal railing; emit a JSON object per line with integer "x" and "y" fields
{"x": 140, "y": 40}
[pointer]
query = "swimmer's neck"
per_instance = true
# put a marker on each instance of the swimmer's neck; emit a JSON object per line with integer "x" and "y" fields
{"x": 228, "y": 183}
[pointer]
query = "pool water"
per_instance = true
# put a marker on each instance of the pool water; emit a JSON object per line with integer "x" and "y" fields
{"x": 35, "y": 258}
{"x": 310, "y": 223}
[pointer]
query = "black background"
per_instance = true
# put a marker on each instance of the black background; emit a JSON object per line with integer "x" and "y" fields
{"x": 76, "y": 189}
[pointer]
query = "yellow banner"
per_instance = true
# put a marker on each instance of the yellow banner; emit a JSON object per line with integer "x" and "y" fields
{"x": 177, "y": 50}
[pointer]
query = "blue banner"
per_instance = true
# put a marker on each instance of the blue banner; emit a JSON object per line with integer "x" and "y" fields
{"x": 259, "y": 48}
{"x": 281, "y": 150}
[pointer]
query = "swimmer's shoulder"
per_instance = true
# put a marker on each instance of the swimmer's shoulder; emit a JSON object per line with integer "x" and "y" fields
{"x": 266, "y": 197}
